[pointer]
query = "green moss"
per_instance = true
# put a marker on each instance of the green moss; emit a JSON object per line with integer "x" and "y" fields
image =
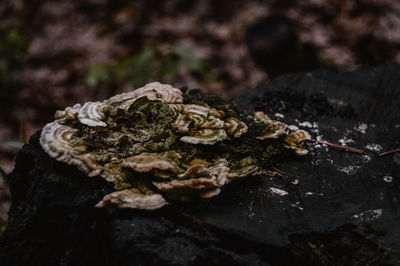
{"x": 149, "y": 123}
{"x": 271, "y": 154}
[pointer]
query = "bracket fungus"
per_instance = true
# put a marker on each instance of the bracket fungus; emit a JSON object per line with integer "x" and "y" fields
{"x": 274, "y": 128}
{"x": 295, "y": 139}
{"x": 153, "y": 143}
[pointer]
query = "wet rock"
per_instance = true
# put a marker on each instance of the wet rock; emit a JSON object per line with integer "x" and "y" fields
{"x": 339, "y": 207}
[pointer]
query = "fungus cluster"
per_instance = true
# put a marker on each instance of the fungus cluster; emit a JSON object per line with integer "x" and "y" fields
{"x": 152, "y": 145}
{"x": 274, "y": 129}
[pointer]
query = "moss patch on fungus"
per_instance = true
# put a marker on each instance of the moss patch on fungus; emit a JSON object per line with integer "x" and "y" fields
{"x": 154, "y": 142}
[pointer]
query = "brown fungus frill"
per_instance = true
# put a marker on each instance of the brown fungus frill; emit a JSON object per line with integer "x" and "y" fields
{"x": 274, "y": 128}
{"x": 295, "y": 139}
{"x": 132, "y": 198}
{"x": 150, "y": 144}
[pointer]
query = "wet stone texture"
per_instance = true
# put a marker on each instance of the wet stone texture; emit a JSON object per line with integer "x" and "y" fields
{"x": 331, "y": 207}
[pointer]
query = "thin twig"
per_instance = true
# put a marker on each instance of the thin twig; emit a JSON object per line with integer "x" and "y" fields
{"x": 389, "y": 152}
{"x": 199, "y": 223}
{"x": 339, "y": 146}
{"x": 279, "y": 171}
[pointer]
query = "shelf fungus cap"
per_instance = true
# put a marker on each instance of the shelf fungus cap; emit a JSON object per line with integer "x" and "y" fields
{"x": 212, "y": 178}
{"x": 132, "y": 198}
{"x": 146, "y": 162}
{"x": 92, "y": 114}
{"x": 58, "y": 142}
{"x": 261, "y": 116}
{"x": 194, "y": 171}
{"x": 295, "y": 139}
{"x": 205, "y": 136}
{"x": 220, "y": 171}
{"x": 236, "y": 128}
{"x": 153, "y": 91}
{"x": 68, "y": 113}
{"x": 202, "y": 183}
{"x": 197, "y": 117}
{"x": 274, "y": 128}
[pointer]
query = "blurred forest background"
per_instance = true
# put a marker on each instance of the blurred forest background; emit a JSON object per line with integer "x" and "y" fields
{"x": 54, "y": 54}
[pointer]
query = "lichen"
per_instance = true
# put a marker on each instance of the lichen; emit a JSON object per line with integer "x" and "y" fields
{"x": 153, "y": 143}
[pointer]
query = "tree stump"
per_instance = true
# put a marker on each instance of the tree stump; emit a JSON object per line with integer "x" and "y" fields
{"x": 331, "y": 207}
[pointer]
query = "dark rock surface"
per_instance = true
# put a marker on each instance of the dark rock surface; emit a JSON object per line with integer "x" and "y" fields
{"x": 342, "y": 208}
